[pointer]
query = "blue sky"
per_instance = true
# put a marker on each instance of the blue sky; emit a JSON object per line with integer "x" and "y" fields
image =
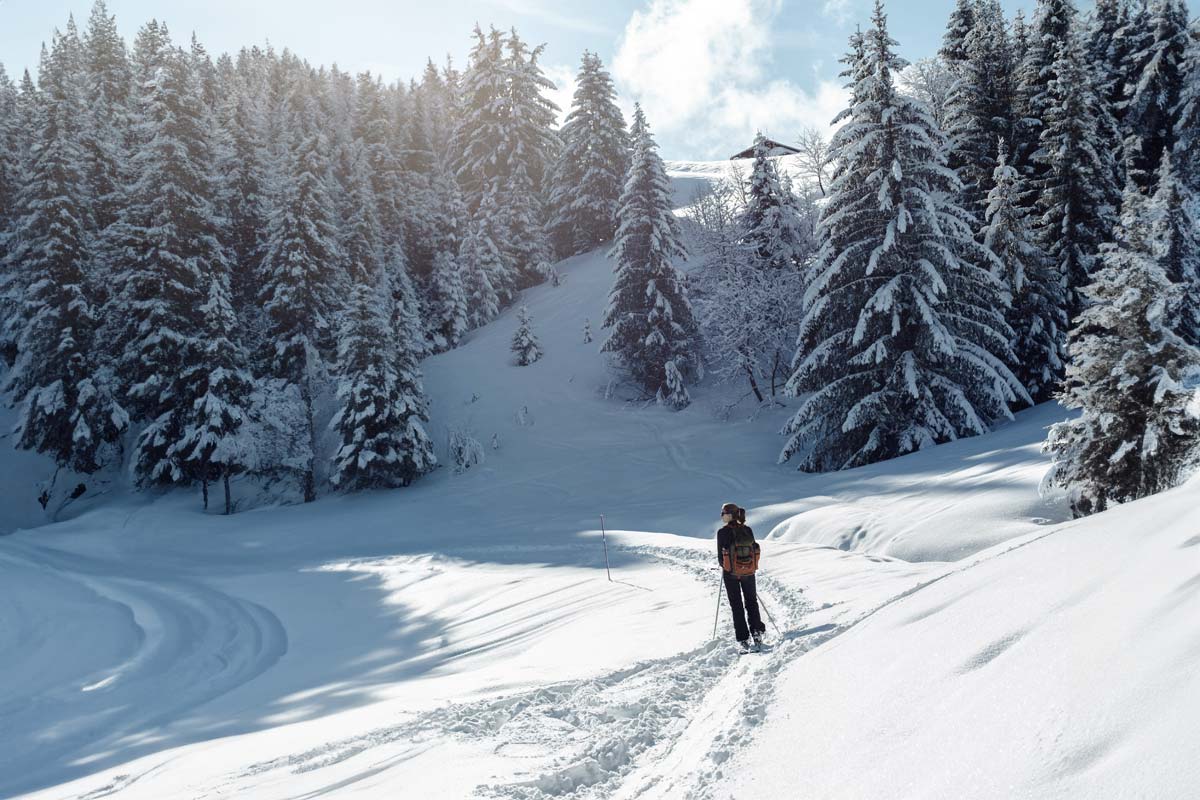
{"x": 708, "y": 72}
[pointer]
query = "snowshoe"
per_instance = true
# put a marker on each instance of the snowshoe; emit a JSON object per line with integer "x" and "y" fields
{"x": 743, "y": 646}
{"x": 758, "y": 641}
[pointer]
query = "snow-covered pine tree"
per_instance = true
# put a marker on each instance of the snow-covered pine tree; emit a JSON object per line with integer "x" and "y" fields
{"x": 1152, "y": 95}
{"x": 1103, "y": 45}
{"x": 587, "y": 331}
{"x": 373, "y": 128}
{"x": 1037, "y": 315}
{"x": 954, "y": 41}
{"x": 905, "y": 318}
{"x": 11, "y": 164}
{"x": 381, "y": 406}
{"x": 505, "y": 143}
{"x": 772, "y": 233}
{"x": 481, "y": 127}
{"x": 1175, "y": 234}
{"x": 108, "y": 86}
{"x": 418, "y": 164}
{"x": 298, "y": 290}
{"x": 586, "y": 181}
{"x": 1104, "y": 26}
{"x": 1076, "y": 199}
{"x": 448, "y": 314}
{"x": 214, "y": 444}
{"x": 1187, "y": 117}
{"x": 489, "y": 223}
{"x": 479, "y": 260}
{"x": 18, "y": 143}
{"x": 652, "y": 331}
{"x": 67, "y": 411}
{"x": 524, "y": 343}
{"x": 1053, "y": 22}
{"x": 528, "y": 151}
{"x": 244, "y": 182}
{"x": 1127, "y": 368}
{"x": 167, "y": 234}
{"x": 980, "y": 106}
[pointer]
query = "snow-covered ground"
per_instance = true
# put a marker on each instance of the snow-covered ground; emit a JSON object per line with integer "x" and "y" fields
{"x": 940, "y": 630}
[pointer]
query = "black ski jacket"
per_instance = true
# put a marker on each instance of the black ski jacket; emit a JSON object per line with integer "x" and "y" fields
{"x": 725, "y": 540}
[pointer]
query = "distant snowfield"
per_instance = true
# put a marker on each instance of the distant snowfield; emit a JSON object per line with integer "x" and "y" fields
{"x": 939, "y": 629}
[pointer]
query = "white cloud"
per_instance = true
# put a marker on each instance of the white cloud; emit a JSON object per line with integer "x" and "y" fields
{"x": 699, "y": 67}
{"x": 838, "y": 10}
{"x": 545, "y": 12}
{"x": 564, "y": 81}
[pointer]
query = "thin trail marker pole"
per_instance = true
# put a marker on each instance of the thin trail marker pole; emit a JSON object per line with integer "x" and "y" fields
{"x": 717, "y": 616}
{"x": 604, "y": 538}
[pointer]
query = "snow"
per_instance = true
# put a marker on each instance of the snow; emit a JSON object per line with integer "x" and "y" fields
{"x": 943, "y": 631}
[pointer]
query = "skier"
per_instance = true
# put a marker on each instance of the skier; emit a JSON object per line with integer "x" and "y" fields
{"x": 738, "y": 553}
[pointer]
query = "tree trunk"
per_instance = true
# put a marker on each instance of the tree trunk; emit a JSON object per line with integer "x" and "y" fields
{"x": 753, "y": 383}
{"x": 310, "y": 476}
{"x": 228, "y": 505}
{"x": 204, "y": 489}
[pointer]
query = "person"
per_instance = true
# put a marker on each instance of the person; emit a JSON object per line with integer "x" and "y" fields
{"x": 740, "y": 589}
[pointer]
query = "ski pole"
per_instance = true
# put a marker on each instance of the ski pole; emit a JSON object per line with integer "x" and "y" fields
{"x": 604, "y": 538}
{"x": 717, "y": 616}
{"x": 769, "y": 617}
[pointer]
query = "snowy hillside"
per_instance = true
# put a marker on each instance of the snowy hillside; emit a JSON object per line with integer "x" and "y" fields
{"x": 940, "y": 630}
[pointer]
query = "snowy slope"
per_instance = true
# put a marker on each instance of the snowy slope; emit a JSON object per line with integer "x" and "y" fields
{"x": 460, "y": 637}
{"x": 1067, "y": 666}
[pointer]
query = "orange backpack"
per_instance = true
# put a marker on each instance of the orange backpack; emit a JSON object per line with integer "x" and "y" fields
{"x": 743, "y": 560}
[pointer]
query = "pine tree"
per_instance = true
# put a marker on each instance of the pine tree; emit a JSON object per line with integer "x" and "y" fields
{"x": 772, "y": 232}
{"x": 587, "y": 331}
{"x": 384, "y": 443}
{"x": 1127, "y": 369}
{"x": 26, "y": 108}
{"x": 903, "y": 340}
{"x": 1187, "y": 117}
{"x": 528, "y": 149}
{"x": 444, "y": 288}
{"x": 490, "y": 230}
{"x": 587, "y": 178}
{"x": 10, "y": 158}
{"x": 653, "y": 334}
{"x": 980, "y": 106}
{"x": 1048, "y": 35}
{"x": 505, "y": 144}
{"x": 484, "y": 93}
{"x": 480, "y": 261}
{"x": 214, "y": 443}
{"x": 109, "y": 82}
{"x": 958, "y": 31}
{"x": 1152, "y": 95}
{"x": 524, "y": 344}
{"x": 244, "y": 184}
{"x": 1037, "y": 314}
{"x": 298, "y": 293}
{"x": 68, "y": 412}
{"x": 1177, "y": 238}
{"x": 382, "y": 409}
{"x": 167, "y": 235}
{"x": 1076, "y": 197}
{"x": 449, "y": 316}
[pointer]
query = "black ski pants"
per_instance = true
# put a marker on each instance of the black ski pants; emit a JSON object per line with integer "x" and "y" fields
{"x": 735, "y": 589}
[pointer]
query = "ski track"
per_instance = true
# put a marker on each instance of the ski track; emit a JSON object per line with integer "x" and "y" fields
{"x": 594, "y": 732}
{"x": 196, "y": 644}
